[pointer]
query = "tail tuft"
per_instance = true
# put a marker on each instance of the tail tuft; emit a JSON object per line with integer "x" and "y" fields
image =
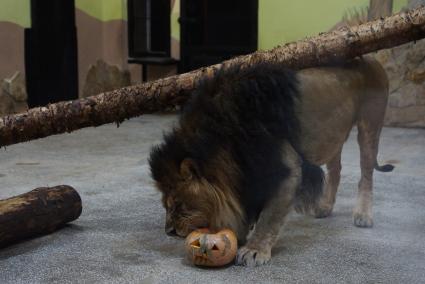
{"x": 384, "y": 168}
{"x": 311, "y": 188}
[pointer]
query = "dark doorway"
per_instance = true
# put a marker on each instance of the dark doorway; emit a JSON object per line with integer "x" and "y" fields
{"x": 149, "y": 33}
{"x": 216, "y": 30}
{"x": 148, "y": 28}
{"x": 51, "y": 52}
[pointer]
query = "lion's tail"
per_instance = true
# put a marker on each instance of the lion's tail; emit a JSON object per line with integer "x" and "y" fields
{"x": 384, "y": 168}
{"x": 311, "y": 188}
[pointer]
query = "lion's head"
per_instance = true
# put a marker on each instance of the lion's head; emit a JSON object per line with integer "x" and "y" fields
{"x": 195, "y": 198}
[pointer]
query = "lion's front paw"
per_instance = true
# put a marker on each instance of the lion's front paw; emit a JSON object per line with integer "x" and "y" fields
{"x": 252, "y": 256}
{"x": 362, "y": 220}
{"x": 322, "y": 211}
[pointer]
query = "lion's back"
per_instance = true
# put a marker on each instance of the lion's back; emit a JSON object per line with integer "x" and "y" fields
{"x": 248, "y": 100}
{"x": 248, "y": 114}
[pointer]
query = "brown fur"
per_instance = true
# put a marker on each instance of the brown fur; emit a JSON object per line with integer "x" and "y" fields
{"x": 224, "y": 211}
{"x": 332, "y": 101}
{"x": 335, "y": 99}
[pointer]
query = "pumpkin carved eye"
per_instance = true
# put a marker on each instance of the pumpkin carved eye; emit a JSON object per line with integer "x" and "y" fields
{"x": 196, "y": 244}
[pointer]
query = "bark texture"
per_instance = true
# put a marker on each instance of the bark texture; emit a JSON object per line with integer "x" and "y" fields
{"x": 170, "y": 92}
{"x": 40, "y": 211}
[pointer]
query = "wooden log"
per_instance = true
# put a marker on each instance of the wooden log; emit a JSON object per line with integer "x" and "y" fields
{"x": 38, "y": 212}
{"x": 170, "y": 92}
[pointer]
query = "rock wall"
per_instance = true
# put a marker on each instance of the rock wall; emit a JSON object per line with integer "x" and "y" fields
{"x": 103, "y": 77}
{"x": 405, "y": 67}
{"x": 13, "y": 95}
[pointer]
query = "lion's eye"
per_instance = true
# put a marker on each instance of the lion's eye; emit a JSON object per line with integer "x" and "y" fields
{"x": 171, "y": 208}
{"x": 178, "y": 207}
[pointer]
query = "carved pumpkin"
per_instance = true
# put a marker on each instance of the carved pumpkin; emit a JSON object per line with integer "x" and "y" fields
{"x": 211, "y": 249}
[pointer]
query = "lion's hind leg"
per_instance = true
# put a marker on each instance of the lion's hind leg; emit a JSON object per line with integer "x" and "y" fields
{"x": 367, "y": 139}
{"x": 370, "y": 119}
{"x": 369, "y": 127}
{"x": 333, "y": 176}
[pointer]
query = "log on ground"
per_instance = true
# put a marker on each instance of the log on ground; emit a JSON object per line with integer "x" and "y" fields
{"x": 38, "y": 212}
{"x": 170, "y": 92}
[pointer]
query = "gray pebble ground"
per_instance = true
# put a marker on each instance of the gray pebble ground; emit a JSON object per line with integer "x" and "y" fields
{"x": 119, "y": 237}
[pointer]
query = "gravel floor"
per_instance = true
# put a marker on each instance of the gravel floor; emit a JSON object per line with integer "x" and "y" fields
{"x": 119, "y": 237}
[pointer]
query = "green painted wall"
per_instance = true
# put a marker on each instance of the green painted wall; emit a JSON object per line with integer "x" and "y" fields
{"x": 175, "y": 26}
{"x": 15, "y": 11}
{"x": 18, "y": 11}
{"x": 282, "y": 21}
{"x": 398, "y": 4}
{"x": 103, "y": 10}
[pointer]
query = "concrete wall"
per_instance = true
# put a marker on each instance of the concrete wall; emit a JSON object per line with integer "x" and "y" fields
{"x": 102, "y": 27}
{"x": 102, "y": 36}
{"x": 102, "y": 46}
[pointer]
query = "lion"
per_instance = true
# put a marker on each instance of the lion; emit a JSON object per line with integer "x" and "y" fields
{"x": 249, "y": 146}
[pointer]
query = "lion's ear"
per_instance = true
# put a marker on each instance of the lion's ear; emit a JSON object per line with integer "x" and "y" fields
{"x": 189, "y": 169}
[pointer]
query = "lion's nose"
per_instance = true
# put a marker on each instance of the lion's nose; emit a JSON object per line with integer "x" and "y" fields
{"x": 171, "y": 231}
